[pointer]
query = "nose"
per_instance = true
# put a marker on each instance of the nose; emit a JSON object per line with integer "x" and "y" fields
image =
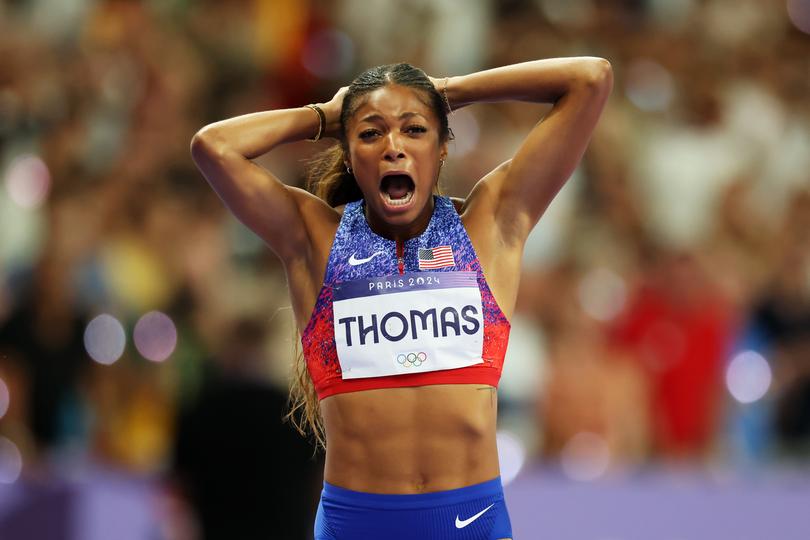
{"x": 393, "y": 147}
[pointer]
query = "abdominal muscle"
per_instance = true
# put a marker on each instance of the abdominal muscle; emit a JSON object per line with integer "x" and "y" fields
{"x": 411, "y": 440}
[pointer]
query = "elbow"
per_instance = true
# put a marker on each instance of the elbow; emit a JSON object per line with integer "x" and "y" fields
{"x": 206, "y": 143}
{"x": 598, "y": 75}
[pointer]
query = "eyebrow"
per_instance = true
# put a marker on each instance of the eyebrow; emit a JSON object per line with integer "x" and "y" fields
{"x": 375, "y": 116}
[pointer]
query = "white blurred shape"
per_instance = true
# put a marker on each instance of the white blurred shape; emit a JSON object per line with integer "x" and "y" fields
{"x": 525, "y": 362}
{"x": 799, "y": 14}
{"x": 328, "y": 54}
{"x": 568, "y": 12}
{"x": 104, "y": 339}
{"x": 602, "y": 293}
{"x": 458, "y": 38}
{"x": 731, "y": 23}
{"x": 747, "y": 102}
{"x": 5, "y": 398}
{"x": 648, "y": 85}
{"x": 585, "y": 457}
{"x": 28, "y": 181}
{"x": 10, "y": 461}
{"x": 511, "y": 455}
{"x": 748, "y": 376}
{"x": 155, "y": 336}
{"x": 466, "y": 131}
{"x": 547, "y": 243}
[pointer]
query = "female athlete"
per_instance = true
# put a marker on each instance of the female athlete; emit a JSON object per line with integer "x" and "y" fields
{"x": 403, "y": 297}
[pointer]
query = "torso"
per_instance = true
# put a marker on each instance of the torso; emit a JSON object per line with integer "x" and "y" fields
{"x": 415, "y": 439}
{"x": 411, "y": 440}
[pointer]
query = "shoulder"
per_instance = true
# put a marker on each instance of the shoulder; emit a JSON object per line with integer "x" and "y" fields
{"x": 320, "y": 219}
{"x": 310, "y": 203}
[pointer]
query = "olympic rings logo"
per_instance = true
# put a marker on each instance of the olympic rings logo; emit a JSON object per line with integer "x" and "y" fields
{"x": 411, "y": 359}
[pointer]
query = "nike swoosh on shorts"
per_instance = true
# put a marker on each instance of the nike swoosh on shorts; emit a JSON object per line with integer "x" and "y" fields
{"x": 355, "y": 261}
{"x": 460, "y": 524}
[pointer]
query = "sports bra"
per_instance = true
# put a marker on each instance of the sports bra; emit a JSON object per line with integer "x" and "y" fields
{"x": 396, "y": 314}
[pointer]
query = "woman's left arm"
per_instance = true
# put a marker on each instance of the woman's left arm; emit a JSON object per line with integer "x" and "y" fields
{"x": 518, "y": 192}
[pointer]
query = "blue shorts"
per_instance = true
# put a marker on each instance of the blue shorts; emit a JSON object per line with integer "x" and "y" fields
{"x": 476, "y": 512}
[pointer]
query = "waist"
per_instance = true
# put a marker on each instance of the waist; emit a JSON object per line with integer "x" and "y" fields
{"x": 410, "y": 501}
{"x": 411, "y": 440}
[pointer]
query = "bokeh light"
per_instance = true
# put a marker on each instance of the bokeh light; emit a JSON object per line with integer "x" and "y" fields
{"x": 648, "y": 85}
{"x": 28, "y": 181}
{"x": 799, "y": 14}
{"x": 5, "y": 398}
{"x": 585, "y": 457}
{"x": 748, "y": 376}
{"x": 511, "y": 455}
{"x": 10, "y": 461}
{"x": 105, "y": 339}
{"x": 328, "y": 54}
{"x": 602, "y": 293}
{"x": 155, "y": 336}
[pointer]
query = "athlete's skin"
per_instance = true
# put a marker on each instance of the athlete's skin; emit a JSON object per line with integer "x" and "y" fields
{"x": 431, "y": 438}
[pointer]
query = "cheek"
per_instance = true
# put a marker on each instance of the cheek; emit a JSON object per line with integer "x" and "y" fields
{"x": 364, "y": 157}
{"x": 365, "y": 180}
{"x": 429, "y": 160}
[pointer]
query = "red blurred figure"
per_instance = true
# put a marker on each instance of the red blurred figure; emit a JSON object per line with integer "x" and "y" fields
{"x": 679, "y": 328}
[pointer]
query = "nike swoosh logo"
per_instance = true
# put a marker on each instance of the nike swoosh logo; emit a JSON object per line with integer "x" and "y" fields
{"x": 460, "y": 524}
{"x": 355, "y": 261}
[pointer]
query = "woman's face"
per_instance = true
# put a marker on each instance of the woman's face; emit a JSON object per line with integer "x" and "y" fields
{"x": 395, "y": 154}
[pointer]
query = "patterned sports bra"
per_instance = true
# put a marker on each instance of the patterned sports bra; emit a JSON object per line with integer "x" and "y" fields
{"x": 395, "y": 314}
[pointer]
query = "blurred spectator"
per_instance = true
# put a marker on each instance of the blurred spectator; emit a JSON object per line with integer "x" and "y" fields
{"x": 679, "y": 329}
{"x": 782, "y": 316}
{"x": 245, "y": 473}
{"x": 41, "y": 337}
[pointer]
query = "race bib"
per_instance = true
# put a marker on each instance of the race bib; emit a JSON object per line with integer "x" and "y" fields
{"x": 411, "y": 323}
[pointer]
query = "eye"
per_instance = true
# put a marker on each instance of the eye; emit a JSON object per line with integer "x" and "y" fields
{"x": 415, "y": 128}
{"x": 368, "y": 133}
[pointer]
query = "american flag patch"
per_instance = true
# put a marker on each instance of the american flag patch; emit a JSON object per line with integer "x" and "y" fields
{"x": 438, "y": 257}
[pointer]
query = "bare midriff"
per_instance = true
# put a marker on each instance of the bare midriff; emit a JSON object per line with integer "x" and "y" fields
{"x": 411, "y": 440}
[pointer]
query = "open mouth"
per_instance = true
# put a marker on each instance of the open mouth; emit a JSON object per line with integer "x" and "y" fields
{"x": 397, "y": 189}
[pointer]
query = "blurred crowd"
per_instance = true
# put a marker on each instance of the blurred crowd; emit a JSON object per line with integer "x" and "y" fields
{"x": 664, "y": 310}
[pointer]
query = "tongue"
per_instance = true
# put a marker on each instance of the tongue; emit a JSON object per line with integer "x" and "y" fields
{"x": 397, "y": 187}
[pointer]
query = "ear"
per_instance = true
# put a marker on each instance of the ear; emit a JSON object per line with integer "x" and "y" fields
{"x": 443, "y": 151}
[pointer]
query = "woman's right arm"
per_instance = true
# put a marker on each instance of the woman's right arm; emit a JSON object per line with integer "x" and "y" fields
{"x": 279, "y": 214}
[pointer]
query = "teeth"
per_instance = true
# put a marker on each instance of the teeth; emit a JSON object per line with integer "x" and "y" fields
{"x": 398, "y": 202}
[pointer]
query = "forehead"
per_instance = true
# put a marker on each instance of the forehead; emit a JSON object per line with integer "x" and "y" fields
{"x": 392, "y": 101}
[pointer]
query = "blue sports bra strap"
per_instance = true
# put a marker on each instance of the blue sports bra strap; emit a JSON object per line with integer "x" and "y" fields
{"x": 348, "y": 222}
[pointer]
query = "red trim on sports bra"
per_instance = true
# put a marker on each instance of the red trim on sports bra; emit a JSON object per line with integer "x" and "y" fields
{"x": 401, "y": 257}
